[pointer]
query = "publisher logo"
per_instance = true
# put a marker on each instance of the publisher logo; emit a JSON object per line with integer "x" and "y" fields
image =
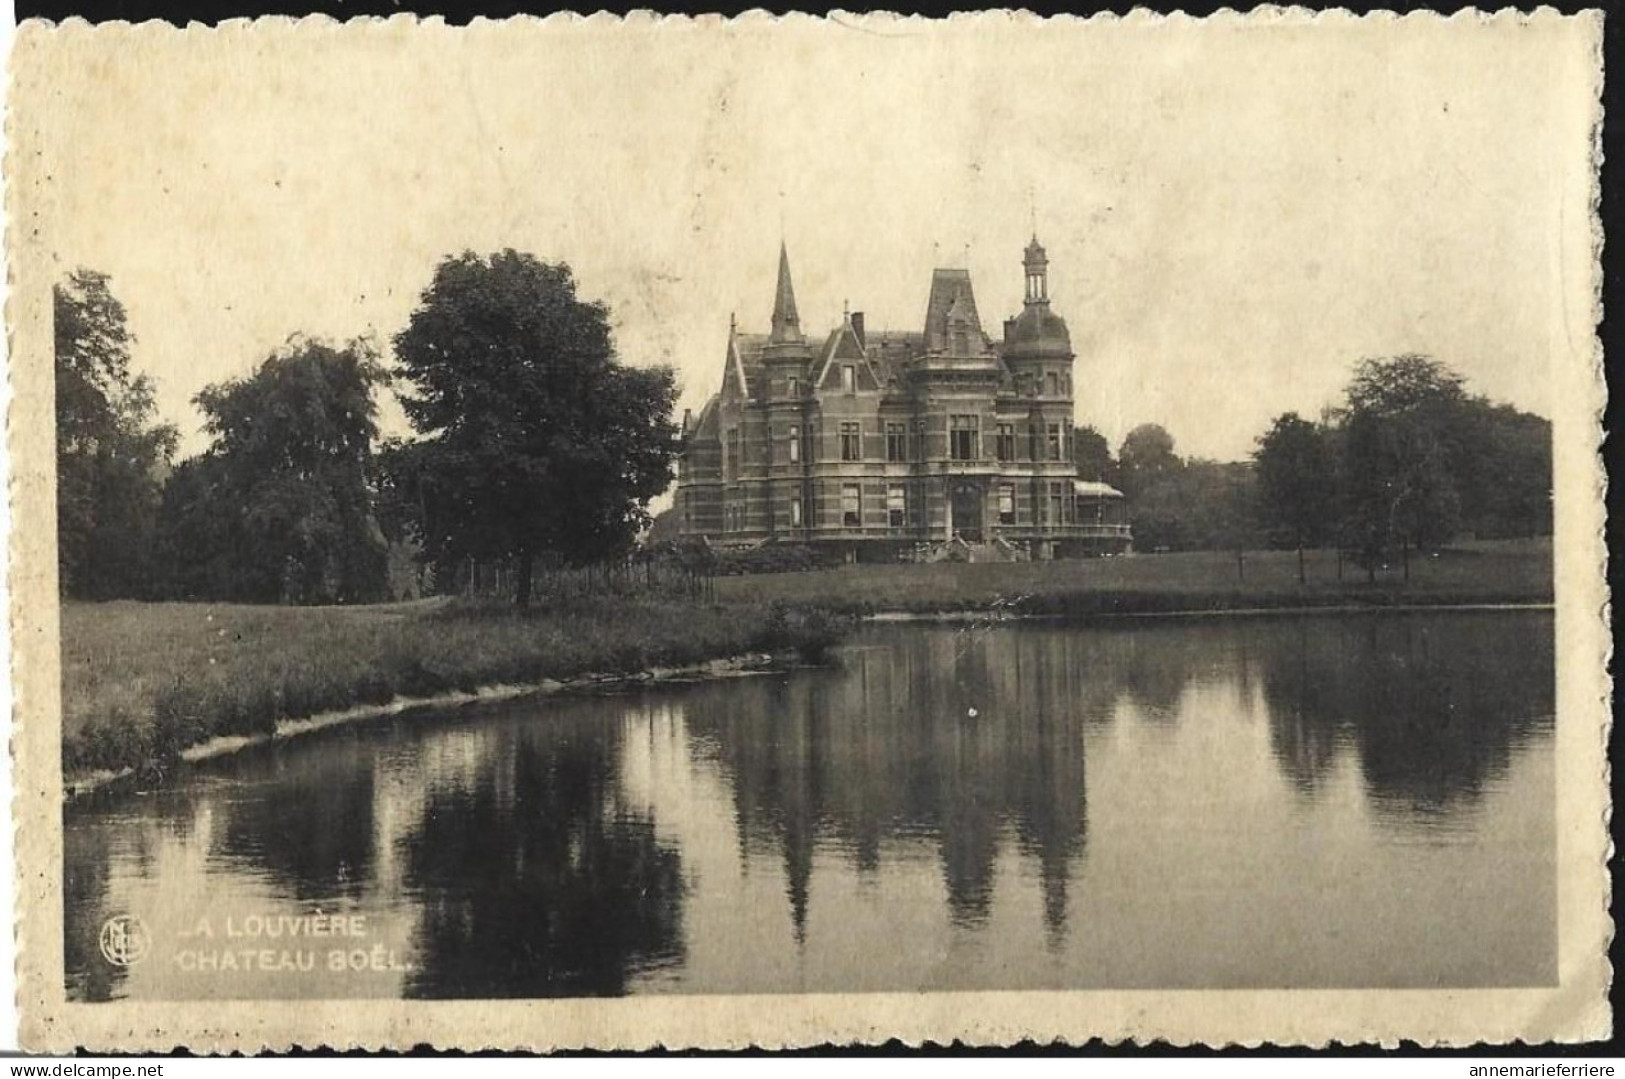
{"x": 125, "y": 940}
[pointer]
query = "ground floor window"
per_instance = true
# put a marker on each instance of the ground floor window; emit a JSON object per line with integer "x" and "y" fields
{"x": 896, "y": 505}
{"x": 1007, "y": 503}
{"x": 851, "y": 505}
{"x": 795, "y": 512}
{"x": 1057, "y": 503}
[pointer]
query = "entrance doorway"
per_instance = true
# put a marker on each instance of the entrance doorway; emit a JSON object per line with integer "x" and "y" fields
{"x": 965, "y": 506}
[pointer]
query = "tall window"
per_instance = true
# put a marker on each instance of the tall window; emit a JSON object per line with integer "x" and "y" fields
{"x": 730, "y": 454}
{"x": 1054, "y": 442}
{"x": 896, "y": 442}
{"x": 1055, "y": 383}
{"x": 1005, "y": 442}
{"x": 851, "y": 442}
{"x": 849, "y": 378}
{"x": 792, "y": 386}
{"x": 1057, "y": 503}
{"x": 896, "y": 505}
{"x": 795, "y": 511}
{"x": 1007, "y": 503}
{"x": 851, "y": 505}
{"x": 962, "y": 437}
{"x": 795, "y": 442}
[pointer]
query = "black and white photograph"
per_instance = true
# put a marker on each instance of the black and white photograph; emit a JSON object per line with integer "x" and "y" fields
{"x": 747, "y": 531}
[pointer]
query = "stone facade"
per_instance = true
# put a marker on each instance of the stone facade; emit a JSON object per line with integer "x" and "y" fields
{"x": 891, "y": 444}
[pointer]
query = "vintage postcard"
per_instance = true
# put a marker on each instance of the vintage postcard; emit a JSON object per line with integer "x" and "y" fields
{"x": 778, "y": 531}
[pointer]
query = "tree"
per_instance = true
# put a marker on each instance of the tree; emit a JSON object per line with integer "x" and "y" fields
{"x": 1146, "y": 456}
{"x": 279, "y": 509}
{"x": 111, "y": 453}
{"x": 1406, "y": 444}
{"x": 1296, "y": 483}
{"x": 1506, "y": 489}
{"x": 1203, "y": 505}
{"x": 535, "y": 439}
{"x": 199, "y": 533}
{"x": 1093, "y": 455}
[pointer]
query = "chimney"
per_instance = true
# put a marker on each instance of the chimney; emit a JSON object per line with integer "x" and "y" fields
{"x": 688, "y": 419}
{"x": 857, "y": 328}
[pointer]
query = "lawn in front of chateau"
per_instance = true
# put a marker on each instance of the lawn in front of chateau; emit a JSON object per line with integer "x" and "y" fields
{"x": 1513, "y": 571}
{"x": 141, "y": 681}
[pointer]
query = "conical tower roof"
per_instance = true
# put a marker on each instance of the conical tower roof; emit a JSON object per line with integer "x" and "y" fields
{"x": 786, "y": 320}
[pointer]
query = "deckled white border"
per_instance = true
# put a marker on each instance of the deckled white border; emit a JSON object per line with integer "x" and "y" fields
{"x": 8, "y": 890}
{"x": 1300, "y": 1017}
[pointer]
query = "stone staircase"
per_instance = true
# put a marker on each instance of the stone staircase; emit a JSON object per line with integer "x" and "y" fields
{"x": 959, "y": 549}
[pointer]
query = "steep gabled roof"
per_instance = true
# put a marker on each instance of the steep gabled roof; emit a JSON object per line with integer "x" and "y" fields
{"x": 842, "y": 344}
{"x": 705, "y": 425}
{"x": 733, "y": 368}
{"x": 950, "y": 291}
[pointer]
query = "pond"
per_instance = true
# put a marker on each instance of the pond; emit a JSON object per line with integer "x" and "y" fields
{"x": 1328, "y": 800}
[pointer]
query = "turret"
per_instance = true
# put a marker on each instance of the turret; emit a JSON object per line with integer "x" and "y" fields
{"x": 1037, "y": 347}
{"x": 1037, "y": 266}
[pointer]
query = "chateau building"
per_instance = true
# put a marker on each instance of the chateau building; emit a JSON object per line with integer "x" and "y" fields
{"x": 891, "y": 444}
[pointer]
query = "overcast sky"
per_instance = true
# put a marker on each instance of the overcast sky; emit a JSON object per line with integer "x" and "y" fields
{"x": 1234, "y": 215}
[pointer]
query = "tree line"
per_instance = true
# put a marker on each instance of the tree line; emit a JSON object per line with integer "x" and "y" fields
{"x": 533, "y": 445}
{"x": 530, "y": 442}
{"x": 1408, "y": 460}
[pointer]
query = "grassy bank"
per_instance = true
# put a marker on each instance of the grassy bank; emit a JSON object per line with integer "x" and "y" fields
{"x": 143, "y": 681}
{"x": 1507, "y": 572}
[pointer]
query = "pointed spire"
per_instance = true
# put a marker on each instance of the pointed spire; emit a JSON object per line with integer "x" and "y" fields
{"x": 786, "y": 322}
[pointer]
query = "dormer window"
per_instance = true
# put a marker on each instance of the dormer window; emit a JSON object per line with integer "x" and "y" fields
{"x": 849, "y": 378}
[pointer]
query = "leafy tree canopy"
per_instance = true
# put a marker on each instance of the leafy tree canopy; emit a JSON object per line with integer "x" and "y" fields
{"x": 1146, "y": 456}
{"x": 111, "y": 452}
{"x": 279, "y": 509}
{"x": 1296, "y": 481}
{"x": 534, "y": 439}
{"x": 1093, "y": 455}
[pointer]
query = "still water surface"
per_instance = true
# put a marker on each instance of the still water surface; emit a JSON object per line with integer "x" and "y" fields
{"x": 1249, "y": 802}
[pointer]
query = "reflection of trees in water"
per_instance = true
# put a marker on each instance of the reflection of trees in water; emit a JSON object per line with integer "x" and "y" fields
{"x": 86, "y": 855}
{"x": 889, "y": 747}
{"x": 1434, "y": 703}
{"x": 88, "y": 849}
{"x": 539, "y": 882}
{"x": 534, "y": 878}
{"x": 305, "y": 814}
{"x": 929, "y": 737}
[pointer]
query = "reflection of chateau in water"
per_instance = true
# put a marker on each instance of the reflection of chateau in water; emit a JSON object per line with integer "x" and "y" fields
{"x": 963, "y": 734}
{"x": 543, "y": 849}
{"x": 940, "y": 737}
